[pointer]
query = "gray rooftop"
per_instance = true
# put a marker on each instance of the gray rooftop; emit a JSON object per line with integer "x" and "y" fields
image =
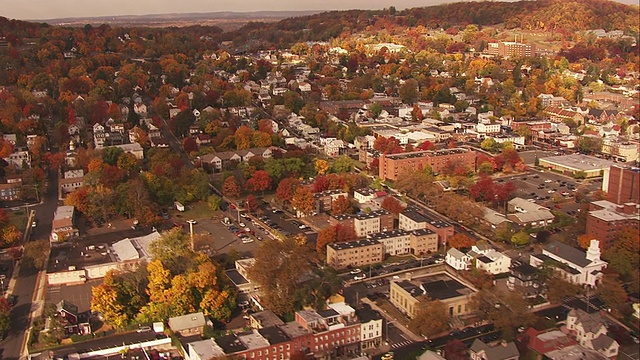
{"x": 579, "y": 162}
{"x": 184, "y": 322}
{"x": 353, "y": 244}
{"x": 568, "y": 253}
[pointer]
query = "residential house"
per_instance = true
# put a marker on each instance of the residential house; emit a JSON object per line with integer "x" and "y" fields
{"x": 188, "y": 325}
{"x": 591, "y": 332}
{"x": 371, "y": 323}
{"x": 526, "y": 213}
{"x": 19, "y": 159}
{"x": 73, "y": 323}
{"x": 493, "y": 262}
{"x": 503, "y": 351}
{"x": 525, "y": 279}
{"x": 457, "y": 259}
{"x": 334, "y": 148}
{"x": 574, "y": 265}
{"x": 63, "y": 224}
{"x": 11, "y": 189}
{"x": 366, "y": 195}
{"x": 324, "y": 199}
{"x": 70, "y": 181}
{"x": 545, "y": 342}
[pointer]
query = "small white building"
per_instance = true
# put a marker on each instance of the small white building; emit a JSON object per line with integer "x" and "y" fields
{"x": 493, "y": 262}
{"x": 457, "y": 259}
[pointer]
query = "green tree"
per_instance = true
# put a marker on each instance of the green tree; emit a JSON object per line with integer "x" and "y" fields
{"x": 214, "y": 202}
{"x": 343, "y": 164}
{"x": 173, "y": 250}
{"x": 5, "y": 316}
{"x": 520, "y": 238}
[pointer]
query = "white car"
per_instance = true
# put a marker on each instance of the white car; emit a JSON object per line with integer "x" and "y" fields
{"x": 247, "y": 240}
{"x": 548, "y": 181}
{"x": 550, "y": 191}
{"x": 355, "y": 271}
{"x": 359, "y": 277}
{"x": 242, "y": 225}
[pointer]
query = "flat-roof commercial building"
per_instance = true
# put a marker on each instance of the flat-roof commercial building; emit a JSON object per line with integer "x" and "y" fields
{"x": 354, "y": 253}
{"x": 591, "y": 166}
{"x": 393, "y": 165}
{"x": 409, "y": 296}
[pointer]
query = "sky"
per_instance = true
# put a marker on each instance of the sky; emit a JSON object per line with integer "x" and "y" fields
{"x": 53, "y": 9}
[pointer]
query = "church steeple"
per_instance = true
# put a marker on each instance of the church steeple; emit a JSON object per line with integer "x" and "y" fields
{"x": 593, "y": 253}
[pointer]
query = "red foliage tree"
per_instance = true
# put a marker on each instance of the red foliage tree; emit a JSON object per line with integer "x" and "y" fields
{"x": 260, "y": 181}
{"x": 427, "y": 145}
{"x": 341, "y": 205}
{"x": 345, "y": 233}
{"x": 483, "y": 189}
{"x": 392, "y": 205}
{"x": 455, "y": 350}
{"x": 251, "y": 204}
{"x": 461, "y": 241}
{"x": 189, "y": 145}
{"x": 286, "y": 189}
{"x": 326, "y": 236}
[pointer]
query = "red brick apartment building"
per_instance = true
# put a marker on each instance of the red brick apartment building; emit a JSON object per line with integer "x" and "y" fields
{"x": 606, "y": 219}
{"x": 624, "y": 184}
{"x": 511, "y": 49}
{"x": 392, "y": 166}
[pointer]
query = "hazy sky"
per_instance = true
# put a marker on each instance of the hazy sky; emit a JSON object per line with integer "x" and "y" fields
{"x": 51, "y": 9}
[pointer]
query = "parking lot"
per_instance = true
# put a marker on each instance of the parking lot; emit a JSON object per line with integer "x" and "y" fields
{"x": 543, "y": 186}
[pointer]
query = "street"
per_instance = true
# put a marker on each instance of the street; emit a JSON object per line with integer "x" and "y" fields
{"x": 25, "y": 281}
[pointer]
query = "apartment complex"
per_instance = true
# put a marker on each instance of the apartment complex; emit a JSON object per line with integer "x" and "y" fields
{"x": 392, "y": 166}
{"x": 409, "y": 296}
{"x": 508, "y": 49}
{"x": 365, "y": 223}
{"x": 400, "y": 242}
{"x": 355, "y": 253}
{"x": 623, "y": 184}
{"x": 606, "y": 219}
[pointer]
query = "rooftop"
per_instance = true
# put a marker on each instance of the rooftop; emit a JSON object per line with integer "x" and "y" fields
{"x": 253, "y": 340}
{"x": 387, "y": 234}
{"x": 274, "y": 335}
{"x": 230, "y": 344}
{"x": 579, "y": 162}
{"x": 353, "y": 244}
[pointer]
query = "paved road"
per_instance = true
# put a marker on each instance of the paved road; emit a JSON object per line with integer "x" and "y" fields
{"x": 25, "y": 283}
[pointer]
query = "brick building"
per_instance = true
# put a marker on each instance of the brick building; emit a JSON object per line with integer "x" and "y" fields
{"x": 605, "y": 220}
{"x": 508, "y": 49}
{"x": 623, "y": 184}
{"x": 393, "y": 165}
{"x": 354, "y": 253}
{"x": 365, "y": 224}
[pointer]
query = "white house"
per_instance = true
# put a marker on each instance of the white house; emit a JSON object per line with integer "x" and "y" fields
{"x": 332, "y": 148}
{"x": 590, "y": 332}
{"x": 493, "y": 262}
{"x": 580, "y": 267}
{"x": 457, "y": 259}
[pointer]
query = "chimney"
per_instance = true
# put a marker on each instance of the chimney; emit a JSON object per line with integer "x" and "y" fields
{"x": 629, "y": 208}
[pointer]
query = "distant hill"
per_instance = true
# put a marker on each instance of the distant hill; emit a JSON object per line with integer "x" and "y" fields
{"x": 226, "y": 20}
{"x": 562, "y": 16}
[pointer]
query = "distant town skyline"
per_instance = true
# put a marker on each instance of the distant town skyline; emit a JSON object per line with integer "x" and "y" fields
{"x": 56, "y": 9}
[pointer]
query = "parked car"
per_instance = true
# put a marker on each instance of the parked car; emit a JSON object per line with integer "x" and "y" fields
{"x": 143, "y": 329}
{"x": 359, "y": 277}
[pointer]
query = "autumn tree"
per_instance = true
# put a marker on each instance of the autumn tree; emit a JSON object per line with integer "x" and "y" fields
{"x": 611, "y": 291}
{"x": 260, "y": 181}
{"x": 392, "y": 205}
{"x": 341, "y": 205}
{"x": 326, "y": 236}
{"x": 431, "y": 319}
{"x": 278, "y": 269}
{"x": 520, "y": 238}
{"x": 251, "y": 203}
{"x": 302, "y": 200}
{"x": 230, "y": 187}
{"x": 409, "y": 91}
{"x": 624, "y": 256}
{"x": 35, "y": 254}
{"x": 455, "y": 349}
{"x": 321, "y": 166}
{"x": 286, "y": 189}
{"x": 461, "y": 241}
